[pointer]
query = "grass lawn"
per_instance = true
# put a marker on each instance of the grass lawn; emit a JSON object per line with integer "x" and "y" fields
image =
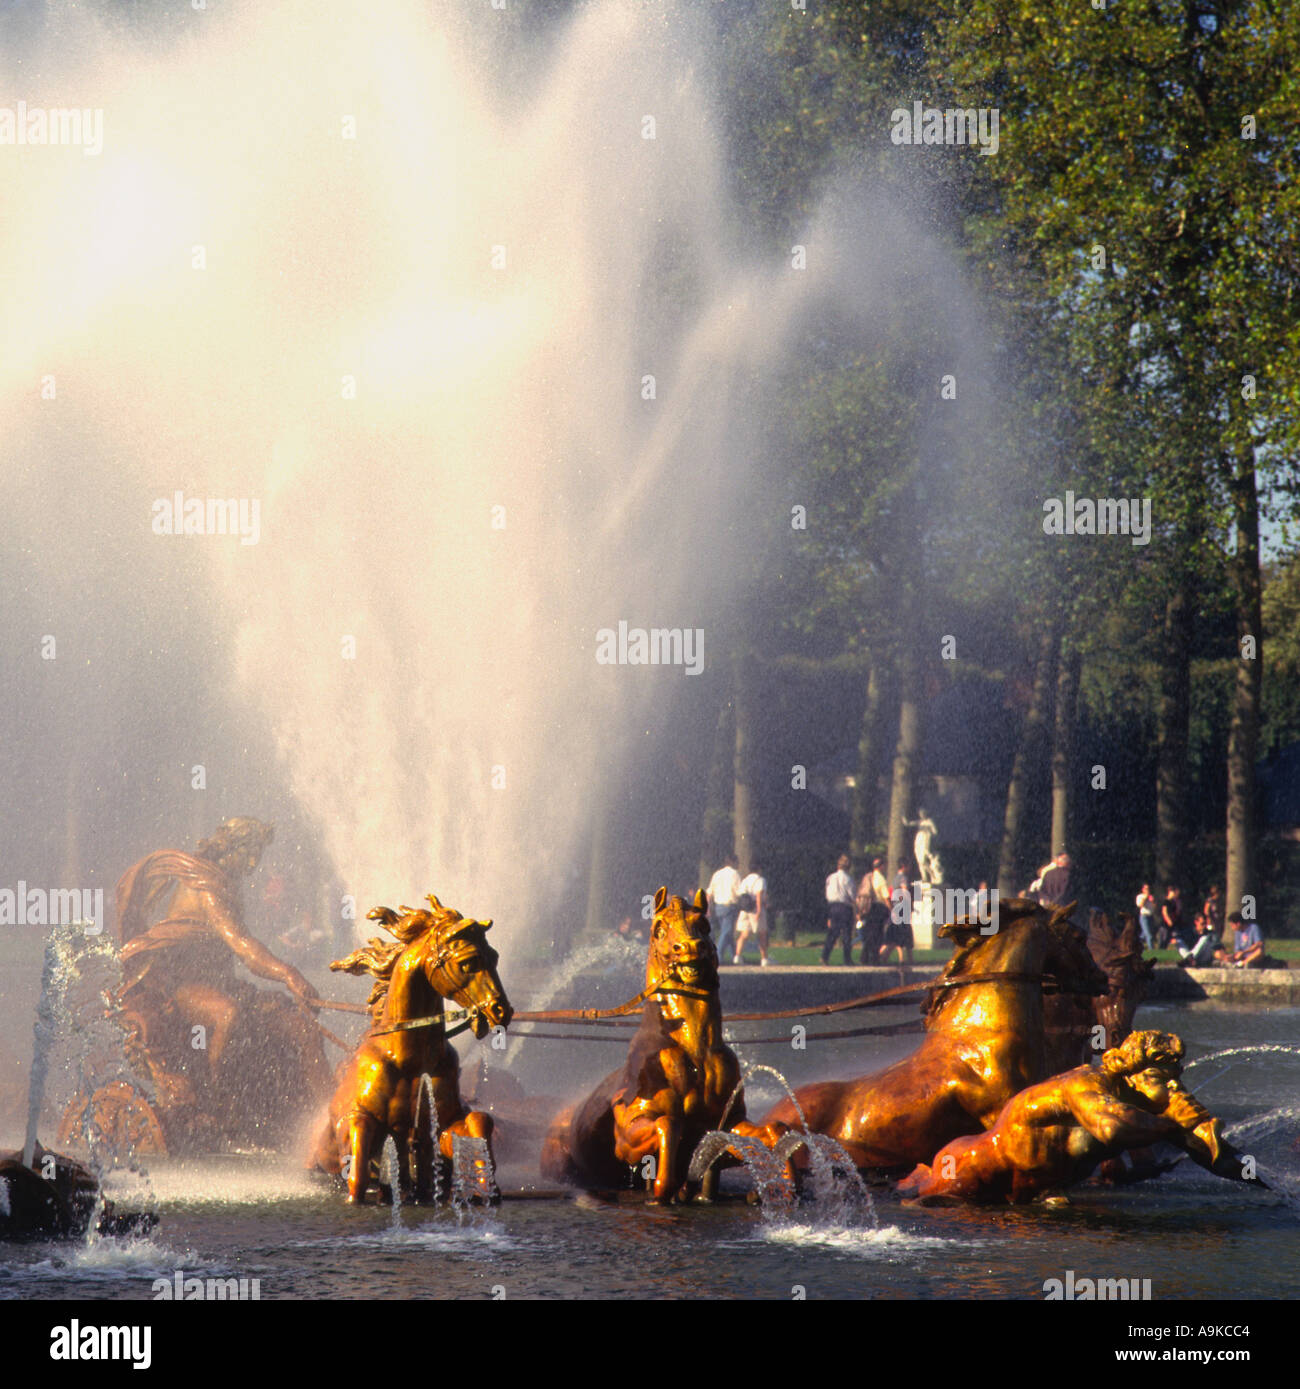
{"x": 1273, "y": 945}
{"x": 810, "y": 953}
{"x": 783, "y": 953}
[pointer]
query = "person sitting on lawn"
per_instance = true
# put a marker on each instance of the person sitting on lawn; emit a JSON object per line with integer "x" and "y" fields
{"x": 1204, "y": 946}
{"x": 1247, "y": 943}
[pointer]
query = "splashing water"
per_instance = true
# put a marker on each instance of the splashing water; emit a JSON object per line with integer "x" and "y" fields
{"x": 472, "y": 1174}
{"x": 750, "y": 1068}
{"x": 393, "y": 1179}
{"x": 425, "y": 1102}
{"x": 1248, "y": 1134}
{"x": 766, "y": 1170}
{"x": 77, "y": 1014}
{"x": 1259, "y": 1049}
{"x": 81, "y": 975}
{"x": 835, "y": 1183}
{"x": 1264, "y": 1125}
{"x": 611, "y": 948}
{"x": 839, "y": 1194}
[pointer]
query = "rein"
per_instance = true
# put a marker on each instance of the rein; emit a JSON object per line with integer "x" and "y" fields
{"x": 410, "y": 1024}
{"x": 464, "y": 1017}
{"x": 660, "y": 986}
{"x": 592, "y": 1015}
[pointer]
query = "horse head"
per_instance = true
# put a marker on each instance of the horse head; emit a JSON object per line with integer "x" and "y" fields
{"x": 681, "y": 947}
{"x": 1068, "y": 958}
{"x": 1024, "y": 941}
{"x": 461, "y": 966}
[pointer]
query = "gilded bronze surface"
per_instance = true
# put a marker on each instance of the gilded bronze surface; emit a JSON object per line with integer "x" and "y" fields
{"x": 678, "y": 1076}
{"x": 1054, "y": 1134}
{"x": 984, "y": 1042}
{"x": 262, "y": 1062}
{"x": 437, "y": 954}
{"x": 1072, "y": 1020}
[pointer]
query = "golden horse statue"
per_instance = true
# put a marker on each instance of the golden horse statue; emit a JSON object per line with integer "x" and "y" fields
{"x": 678, "y": 1077}
{"x": 1078, "y": 1028}
{"x": 437, "y": 954}
{"x": 984, "y": 1041}
{"x": 1056, "y": 1133}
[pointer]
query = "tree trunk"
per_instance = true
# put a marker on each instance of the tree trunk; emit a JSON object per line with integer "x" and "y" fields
{"x": 1067, "y": 704}
{"x": 1026, "y": 758}
{"x": 864, "y": 786}
{"x": 905, "y": 754}
{"x": 715, "y": 832}
{"x": 742, "y": 764}
{"x": 1243, "y": 735}
{"x": 1172, "y": 712}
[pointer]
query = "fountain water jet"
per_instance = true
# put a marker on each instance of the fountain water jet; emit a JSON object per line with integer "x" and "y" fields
{"x": 426, "y": 1102}
{"x": 392, "y": 1168}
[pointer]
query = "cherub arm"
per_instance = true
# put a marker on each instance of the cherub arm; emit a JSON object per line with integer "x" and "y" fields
{"x": 1115, "y": 1124}
{"x": 1200, "y": 1135}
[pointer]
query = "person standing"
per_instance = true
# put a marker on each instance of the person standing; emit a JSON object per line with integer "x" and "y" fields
{"x": 1213, "y": 910}
{"x": 873, "y": 911}
{"x": 839, "y": 911}
{"x": 1146, "y": 905}
{"x": 1054, "y": 881}
{"x": 752, "y": 921}
{"x": 723, "y": 889}
{"x": 1171, "y": 917}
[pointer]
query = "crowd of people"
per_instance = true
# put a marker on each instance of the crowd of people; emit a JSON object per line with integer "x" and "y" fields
{"x": 863, "y": 915}
{"x": 1199, "y": 942}
{"x": 860, "y": 914}
{"x": 739, "y": 906}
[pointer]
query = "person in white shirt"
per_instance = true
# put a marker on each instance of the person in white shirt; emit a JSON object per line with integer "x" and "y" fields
{"x": 754, "y": 923}
{"x": 1146, "y": 905}
{"x": 723, "y": 889}
{"x": 873, "y": 911}
{"x": 839, "y": 911}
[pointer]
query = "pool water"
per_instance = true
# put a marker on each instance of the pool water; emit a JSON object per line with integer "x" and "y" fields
{"x": 259, "y": 1216}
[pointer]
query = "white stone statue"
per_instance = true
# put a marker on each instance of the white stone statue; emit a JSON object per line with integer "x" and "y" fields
{"x": 927, "y": 865}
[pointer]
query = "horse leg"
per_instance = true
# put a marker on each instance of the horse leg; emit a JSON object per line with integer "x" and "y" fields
{"x": 666, "y": 1184}
{"x": 362, "y": 1132}
{"x": 638, "y": 1137}
{"x": 709, "y": 1186}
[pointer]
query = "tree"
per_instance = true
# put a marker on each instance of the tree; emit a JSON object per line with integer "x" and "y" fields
{"x": 1148, "y": 160}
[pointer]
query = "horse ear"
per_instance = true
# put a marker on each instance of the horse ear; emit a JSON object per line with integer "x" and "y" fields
{"x": 701, "y": 900}
{"x": 1062, "y": 913}
{"x": 433, "y": 901}
{"x": 961, "y": 932}
{"x": 660, "y": 898}
{"x": 486, "y": 925}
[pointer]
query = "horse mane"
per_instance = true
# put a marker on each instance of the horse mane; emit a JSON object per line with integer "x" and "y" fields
{"x": 1013, "y": 912}
{"x": 379, "y": 957}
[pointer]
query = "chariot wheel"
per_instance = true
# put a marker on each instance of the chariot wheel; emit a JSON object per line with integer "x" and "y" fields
{"x": 119, "y": 1117}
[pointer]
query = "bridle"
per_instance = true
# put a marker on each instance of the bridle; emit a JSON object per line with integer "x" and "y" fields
{"x": 463, "y": 1018}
